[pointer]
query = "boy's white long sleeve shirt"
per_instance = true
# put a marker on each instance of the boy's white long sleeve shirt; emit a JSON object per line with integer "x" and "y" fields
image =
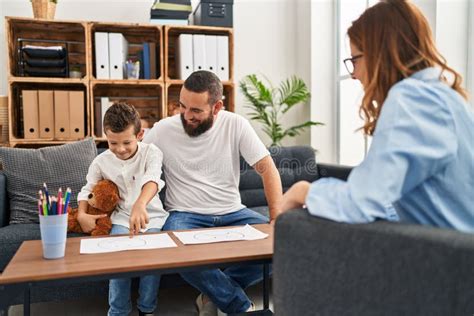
{"x": 129, "y": 176}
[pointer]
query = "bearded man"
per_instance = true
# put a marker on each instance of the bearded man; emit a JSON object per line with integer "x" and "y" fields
{"x": 201, "y": 162}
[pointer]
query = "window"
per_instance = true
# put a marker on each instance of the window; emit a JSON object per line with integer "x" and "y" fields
{"x": 352, "y": 144}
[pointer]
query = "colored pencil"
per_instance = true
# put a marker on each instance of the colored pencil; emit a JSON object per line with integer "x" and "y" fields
{"x": 68, "y": 197}
{"x": 47, "y": 195}
{"x": 60, "y": 193}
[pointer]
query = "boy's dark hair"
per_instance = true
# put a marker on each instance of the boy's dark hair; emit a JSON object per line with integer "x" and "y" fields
{"x": 120, "y": 116}
{"x": 205, "y": 81}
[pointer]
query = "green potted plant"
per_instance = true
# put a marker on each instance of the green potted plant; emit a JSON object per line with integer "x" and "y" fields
{"x": 269, "y": 104}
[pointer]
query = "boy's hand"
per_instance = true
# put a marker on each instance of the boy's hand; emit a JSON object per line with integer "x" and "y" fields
{"x": 139, "y": 218}
{"x": 88, "y": 221}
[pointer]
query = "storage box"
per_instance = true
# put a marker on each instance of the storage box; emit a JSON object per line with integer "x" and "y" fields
{"x": 214, "y": 13}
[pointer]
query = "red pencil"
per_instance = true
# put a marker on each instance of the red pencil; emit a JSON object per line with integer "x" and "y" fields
{"x": 60, "y": 194}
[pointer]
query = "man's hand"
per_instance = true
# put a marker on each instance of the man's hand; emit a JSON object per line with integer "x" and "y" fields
{"x": 88, "y": 221}
{"x": 266, "y": 168}
{"x": 139, "y": 218}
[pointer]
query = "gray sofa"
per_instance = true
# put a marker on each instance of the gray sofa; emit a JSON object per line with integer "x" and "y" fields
{"x": 294, "y": 164}
{"x": 327, "y": 268}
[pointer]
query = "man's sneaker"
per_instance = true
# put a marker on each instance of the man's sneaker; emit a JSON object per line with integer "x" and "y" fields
{"x": 140, "y": 313}
{"x": 250, "y": 309}
{"x": 208, "y": 309}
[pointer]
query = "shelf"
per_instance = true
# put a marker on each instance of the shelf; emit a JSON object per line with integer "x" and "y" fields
{"x": 46, "y": 33}
{"x": 16, "y": 113}
{"x": 126, "y": 82}
{"x": 83, "y": 81}
{"x": 16, "y": 142}
{"x": 181, "y": 82}
{"x": 149, "y": 96}
{"x": 148, "y": 99}
{"x": 136, "y": 35}
{"x": 198, "y": 29}
{"x": 173, "y": 90}
{"x": 171, "y": 34}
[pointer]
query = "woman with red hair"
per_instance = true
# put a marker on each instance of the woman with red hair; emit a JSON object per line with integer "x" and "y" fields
{"x": 420, "y": 166}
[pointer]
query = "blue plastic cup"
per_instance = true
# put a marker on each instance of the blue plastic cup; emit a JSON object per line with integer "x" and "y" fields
{"x": 53, "y": 235}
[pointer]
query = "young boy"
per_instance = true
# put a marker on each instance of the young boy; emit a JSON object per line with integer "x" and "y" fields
{"x": 135, "y": 168}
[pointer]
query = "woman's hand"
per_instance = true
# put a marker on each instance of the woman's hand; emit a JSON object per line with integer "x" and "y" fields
{"x": 295, "y": 197}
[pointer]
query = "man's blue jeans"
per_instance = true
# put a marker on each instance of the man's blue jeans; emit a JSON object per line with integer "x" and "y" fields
{"x": 119, "y": 289}
{"x": 224, "y": 287}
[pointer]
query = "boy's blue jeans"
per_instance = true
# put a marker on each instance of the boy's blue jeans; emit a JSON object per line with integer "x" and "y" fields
{"x": 119, "y": 289}
{"x": 224, "y": 287}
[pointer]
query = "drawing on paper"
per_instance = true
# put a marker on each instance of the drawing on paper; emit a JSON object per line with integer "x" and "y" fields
{"x": 116, "y": 243}
{"x": 218, "y": 235}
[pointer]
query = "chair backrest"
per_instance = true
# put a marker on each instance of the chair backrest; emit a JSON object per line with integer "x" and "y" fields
{"x": 322, "y": 267}
{"x": 294, "y": 164}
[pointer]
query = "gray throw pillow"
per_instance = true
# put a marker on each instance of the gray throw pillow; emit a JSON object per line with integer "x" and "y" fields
{"x": 58, "y": 166}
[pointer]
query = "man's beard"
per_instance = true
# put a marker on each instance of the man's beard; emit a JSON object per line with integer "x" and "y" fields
{"x": 203, "y": 127}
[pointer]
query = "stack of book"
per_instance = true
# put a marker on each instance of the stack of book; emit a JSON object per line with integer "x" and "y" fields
{"x": 170, "y": 12}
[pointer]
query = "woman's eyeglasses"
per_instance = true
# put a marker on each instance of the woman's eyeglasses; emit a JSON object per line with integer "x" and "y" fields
{"x": 349, "y": 63}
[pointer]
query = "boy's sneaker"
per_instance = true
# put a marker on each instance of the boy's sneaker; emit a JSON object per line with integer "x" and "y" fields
{"x": 208, "y": 309}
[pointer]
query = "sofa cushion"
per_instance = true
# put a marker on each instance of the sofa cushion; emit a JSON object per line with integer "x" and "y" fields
{"x": 294, "y": 164}
{"x": 12, "y": 236}
{"x": 57, "y": 166}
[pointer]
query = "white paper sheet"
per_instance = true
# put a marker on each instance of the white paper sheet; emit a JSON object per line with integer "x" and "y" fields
{"x": 120, "y": 243}
{"x": 246, "y": 232}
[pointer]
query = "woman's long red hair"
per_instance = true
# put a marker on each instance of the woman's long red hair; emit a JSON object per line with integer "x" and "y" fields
{"x": 396, "y": 41}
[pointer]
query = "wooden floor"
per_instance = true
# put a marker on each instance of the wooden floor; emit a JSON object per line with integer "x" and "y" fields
{"x": 171, "y": 302}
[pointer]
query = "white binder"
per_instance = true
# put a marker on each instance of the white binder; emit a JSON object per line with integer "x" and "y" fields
{"x": 104, "y": 106}
{"x": 102, "y": 55}
{"x": 223, "y": 57}
{"x": 118, "y": 53}
{"x": 211, "y": 53}
{"x": 184, "y": 56}
{"x": 199, "y": 52}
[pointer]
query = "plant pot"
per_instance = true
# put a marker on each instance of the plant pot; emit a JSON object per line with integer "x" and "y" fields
{"x": 43, "y": 9}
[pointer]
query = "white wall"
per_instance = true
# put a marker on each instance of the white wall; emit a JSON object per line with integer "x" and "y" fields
{"x": 266, "y": 39}
{"x": 264, "y": 34}
{"x": 452, "y": 33}
{"x": 323, "y": 80}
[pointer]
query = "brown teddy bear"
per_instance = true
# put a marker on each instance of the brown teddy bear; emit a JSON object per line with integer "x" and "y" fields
{"x": 102, "y": 200}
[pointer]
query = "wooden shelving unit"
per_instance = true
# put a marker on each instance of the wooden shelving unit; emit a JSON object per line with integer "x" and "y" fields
{"x": 15, "y": 110}
{"x": 136, "y": 35}
{"x": 171, "y": 34}
{"x": 153, "y": 97}
{"x": 147, "y": 97}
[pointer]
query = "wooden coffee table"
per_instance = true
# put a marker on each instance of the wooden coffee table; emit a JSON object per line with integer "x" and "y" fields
{"x": 28, "y": 268}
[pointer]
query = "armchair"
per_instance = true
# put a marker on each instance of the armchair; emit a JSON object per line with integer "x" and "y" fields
{"x": 323, "y": 267}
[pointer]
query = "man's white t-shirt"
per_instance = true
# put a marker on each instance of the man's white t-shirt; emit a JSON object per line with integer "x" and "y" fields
{"x": 202, "y": 173}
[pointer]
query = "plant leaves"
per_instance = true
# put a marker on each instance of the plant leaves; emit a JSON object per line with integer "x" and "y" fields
{"x": 268, "y": 104}
{"x": 297, "y": 129}
{"x": 253, "y": 92}
{"x": 293, "y": 91}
